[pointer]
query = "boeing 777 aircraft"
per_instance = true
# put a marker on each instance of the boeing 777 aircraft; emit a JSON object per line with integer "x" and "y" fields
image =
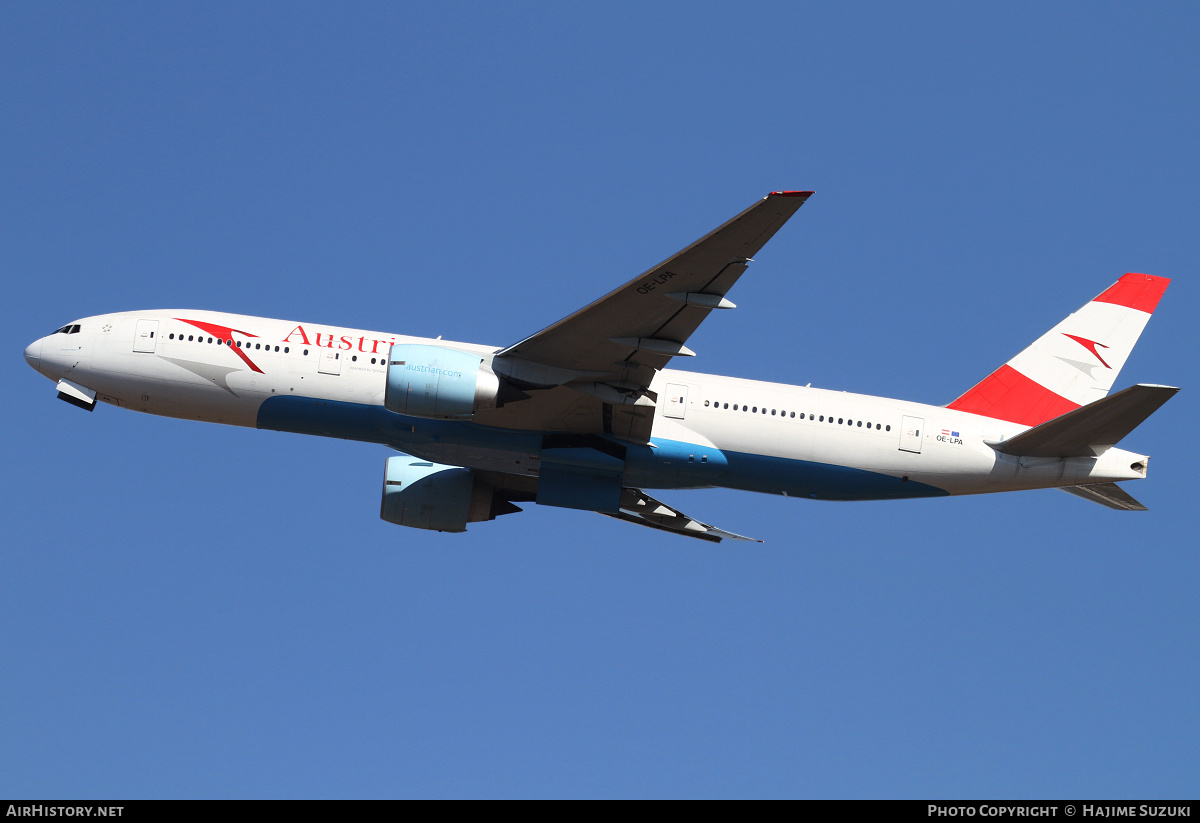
{"x": 586, "y": 415}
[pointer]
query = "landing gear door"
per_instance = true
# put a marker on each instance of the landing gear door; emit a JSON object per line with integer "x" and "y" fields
{"x": 910, "y": 434}
{"x": 144, "y": 336}
{"x": 330, "y": 363}
{"x": 676, "y": 405}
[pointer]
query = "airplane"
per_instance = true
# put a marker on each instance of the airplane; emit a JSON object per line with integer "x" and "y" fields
{"x": 586, "y": 415}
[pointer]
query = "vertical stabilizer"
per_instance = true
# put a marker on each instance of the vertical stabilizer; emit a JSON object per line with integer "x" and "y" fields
{"x": 1073, "y": 364}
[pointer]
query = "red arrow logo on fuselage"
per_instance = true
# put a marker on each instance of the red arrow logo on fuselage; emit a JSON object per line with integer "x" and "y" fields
{"x": 225, "y": 333}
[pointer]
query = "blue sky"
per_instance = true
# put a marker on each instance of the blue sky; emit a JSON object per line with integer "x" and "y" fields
{"x": 190, "y": 610}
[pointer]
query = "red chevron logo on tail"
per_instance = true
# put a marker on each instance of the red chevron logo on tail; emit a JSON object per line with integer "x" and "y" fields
{"x": 1090, "y": 345}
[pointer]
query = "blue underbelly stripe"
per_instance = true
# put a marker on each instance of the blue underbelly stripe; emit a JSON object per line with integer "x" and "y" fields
{"x": 325, "y": 418}
{"x": 819, "y": 481}
{"x": 644, "y": 466}
{"x": 375, "y": 424}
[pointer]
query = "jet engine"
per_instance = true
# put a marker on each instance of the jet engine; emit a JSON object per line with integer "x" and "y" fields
{"x": 427, "y": 495}
{"x": 432, "y": 381}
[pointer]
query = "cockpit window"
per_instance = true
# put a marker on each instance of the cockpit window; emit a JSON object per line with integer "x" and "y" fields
{"x": 71, "y": 329}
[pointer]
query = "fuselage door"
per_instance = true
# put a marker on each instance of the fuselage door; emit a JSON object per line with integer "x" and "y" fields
{"x": 910, "y": 434}
{"x": 144, "y": 335}
{"x": 676, "y": 400}
{"x": 331, "y": 362}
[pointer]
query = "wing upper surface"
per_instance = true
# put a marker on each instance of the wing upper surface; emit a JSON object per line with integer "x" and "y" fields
{"x": 636, "y": 329}
{"x": 591, "y": 372}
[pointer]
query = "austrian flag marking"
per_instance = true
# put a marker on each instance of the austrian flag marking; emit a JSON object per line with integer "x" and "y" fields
{"x": 949, "y": 436}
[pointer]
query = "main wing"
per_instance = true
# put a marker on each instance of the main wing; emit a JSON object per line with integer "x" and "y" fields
{"x": 591, "y": 372}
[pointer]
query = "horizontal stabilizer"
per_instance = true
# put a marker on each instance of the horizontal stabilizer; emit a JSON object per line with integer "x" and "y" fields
{"x": 1106, "y": 494}
{"x": 1092, "y": 429}
{"x": 643, "y": 510}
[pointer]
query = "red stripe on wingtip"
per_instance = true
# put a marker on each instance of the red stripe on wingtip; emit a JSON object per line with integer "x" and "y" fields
{"x": 1136, "y": 291}
{"x": 792, "y": 194}
{"x": 1009, "y": 395}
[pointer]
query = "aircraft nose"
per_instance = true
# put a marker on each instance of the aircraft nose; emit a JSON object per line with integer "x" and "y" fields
{"x": 33, "y": 354}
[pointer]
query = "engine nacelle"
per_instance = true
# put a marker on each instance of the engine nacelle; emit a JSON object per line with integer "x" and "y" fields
{"x": 432, "y": 381}
{"x": 426, "y": 495}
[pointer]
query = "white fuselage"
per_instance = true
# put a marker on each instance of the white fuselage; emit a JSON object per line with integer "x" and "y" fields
{"x": 754, "y": 435}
